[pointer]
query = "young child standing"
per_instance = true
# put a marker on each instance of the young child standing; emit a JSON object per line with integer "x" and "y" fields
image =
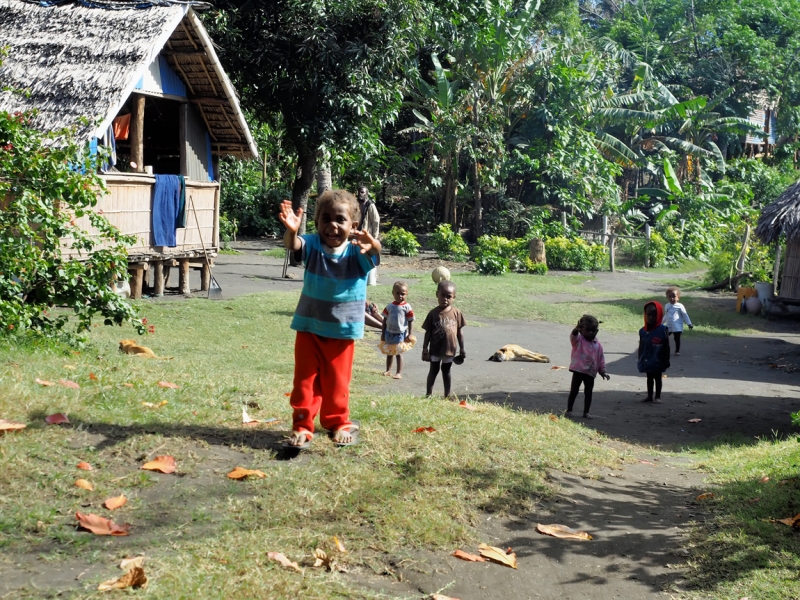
{"x": 396, "y": 337}
{"x": 675, "y": 316}
{"x": 329, "y": 315}
{"x": 587, "y": 361}
{"x": 443, "y": 327}
{"x": 653, "y": 349}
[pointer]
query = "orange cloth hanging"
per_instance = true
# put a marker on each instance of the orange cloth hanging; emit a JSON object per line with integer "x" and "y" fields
{"x": 122, "y": 127}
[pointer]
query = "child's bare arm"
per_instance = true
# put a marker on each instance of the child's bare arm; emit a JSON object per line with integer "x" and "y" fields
{"x": 383, "y": 331}
{"x": 410, "y": 329}
{"x": 460, "y": 337}
{"x": 292, "y": 222}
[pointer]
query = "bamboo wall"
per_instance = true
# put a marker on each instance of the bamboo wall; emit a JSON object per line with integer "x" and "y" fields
{"x": 790, "y": 281}
{"x": 128, "y": 206}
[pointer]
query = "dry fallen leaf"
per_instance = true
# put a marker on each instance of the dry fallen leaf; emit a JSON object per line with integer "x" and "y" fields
{"x": 764, "y": 479}
{"x": 322, "y": 559}
{"x": 134, "y": 578}
{"x": 791, "y": 521}
{"x": 424, "y": 430}
{"x": 240, "y": 473}
{"x": 694, "y": 420}
{"x": 441, "y": 597}
{"x": 646, "y": 462}
{"x": 164, "y": 464}
{"x": 100, "y": 525}
{"x": 83, "y": 484}
{"x": 92, "y": 376}
{"x": 753, "y": 500}
{"x": 497, "y": 555}
{"x": 468, "y": 557}
{"x": 69, "y": 384}
{"x": 6, "y": 425}
{"x": 84, "y": 466}
{"x": 339, "y": 545}
{"x": 151, "y": 405}
{"x": 167, "y": 384}
{"x": 553, "y": 418}
{"x": 131, "y": 563}
{"x": 556, "y": 368}
{"x": 562, "y": 531}
{"x": 247, "y": 419}
{"x": 467, "y": 405}
{"x": 56, "y": 419}
{"x": 705, "y": 496}
{"x": 128, "y": 384}
{"x": 43, "y": 382}
{"x": 278, "y": 557}
{"x": 115, "y": 502}
{"x": 287, "y": 394}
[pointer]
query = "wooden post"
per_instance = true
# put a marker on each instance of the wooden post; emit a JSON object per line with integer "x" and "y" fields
{"x": 136, "y": 282}
{"x": 536, "y": 251}
{"x": 776, "y": 271}
{"x": 647, "y": 246}
{"x": 158, "y": 279}
{"x": 137, "y": 132}
{"x": 605, "y": 230}
{"x": 183, "y": 279}
{"x": 183, "y": 122}
{"x": 743, "y": 253}
{"x": 205, "y": 277}
{"x": 564, "y": 219}
{"x": 612, "y": 247}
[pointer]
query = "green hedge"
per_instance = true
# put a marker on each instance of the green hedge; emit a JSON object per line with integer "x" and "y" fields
{"x": 400, "y": 242}
{"x": 495, "y": 255}
{"x": 574, "y": 255}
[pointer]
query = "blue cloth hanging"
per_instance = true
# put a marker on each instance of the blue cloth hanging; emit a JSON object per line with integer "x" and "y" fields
{"x": 180, "y": 221}
{"x": 166, "y": 202}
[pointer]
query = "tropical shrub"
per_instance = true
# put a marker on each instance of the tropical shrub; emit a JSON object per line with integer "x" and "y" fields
{"x": 47, "y": 182}
{"x": 720, "y": 268}
{"x": 491, "y": 264}
{"x": 401, "y": 242}
{"x": 574, "y": 255}
{"x": 657, "y": 250}
{"x": 448, "y": 244}
{"x": 494, "y": 250}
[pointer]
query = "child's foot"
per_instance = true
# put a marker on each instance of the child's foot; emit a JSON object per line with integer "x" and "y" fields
{"x": 587, "y": 416}
{"x": 648, "y": 399}
{"x": 677, "y": 354}
{"x": 346, "y": 436}
{"x": 299, "y": 438}
{"x": 397, "y": 376}
{"x": 657, "y": 401}
{"x": 387, "y": 373}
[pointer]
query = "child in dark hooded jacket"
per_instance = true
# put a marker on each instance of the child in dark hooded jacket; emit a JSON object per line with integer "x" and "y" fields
{"x": 653, "y": 349}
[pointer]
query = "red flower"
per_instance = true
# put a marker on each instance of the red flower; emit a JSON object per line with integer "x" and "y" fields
{"x": 10, "y": 326}
{"x": 151, "y": 329}
{"x": 8, "y": 147}
{"x": 144, "y": 321}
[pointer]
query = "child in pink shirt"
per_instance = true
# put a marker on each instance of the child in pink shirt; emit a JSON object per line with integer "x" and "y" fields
{"x": 587, "y": 361}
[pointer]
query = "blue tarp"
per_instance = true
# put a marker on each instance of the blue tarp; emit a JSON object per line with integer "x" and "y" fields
{"x": 166, "y": 204}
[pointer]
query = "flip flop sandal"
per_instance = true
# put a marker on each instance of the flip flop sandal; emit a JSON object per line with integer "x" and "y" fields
{"x": 353, "y": 428}
{"x": 304, "y": 446}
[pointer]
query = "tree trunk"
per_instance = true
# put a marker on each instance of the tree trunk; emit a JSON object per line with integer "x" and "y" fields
{"x": 477, "y": 207}
{"x": 306, "y": 164}
{"x": 324, "y": 181}
{"x": 447, "y": 187}
{"x": 137, "y": 132}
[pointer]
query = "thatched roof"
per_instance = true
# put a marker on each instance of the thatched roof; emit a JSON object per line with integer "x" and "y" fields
{"x": 782, "y": 216}
{"x": 79, "y": 63}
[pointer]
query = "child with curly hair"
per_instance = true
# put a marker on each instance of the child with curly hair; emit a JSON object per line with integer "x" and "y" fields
{"x": 586, "y": 362}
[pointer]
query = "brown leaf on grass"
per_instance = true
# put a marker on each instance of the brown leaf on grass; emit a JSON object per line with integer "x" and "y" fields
{"x": 467, "y": 405}
{"x": 705, "y": 496}
{"x": 553, "y": 418}
{"x": 68, "y": 383}
{"x": 753, "y": 500}
{"x": 556, "y": 368}
{"x": 92, "y": 376}
{"x": 115, "y": 502}
{"x": 43, "y": 382}
{"x": 468, "y": 557}
{"x": 167, "y": 384}
{"x": 6, "y": 425}
{"x": 131, "y": 563}
{"x": 339, "y": 545}
{"x": 247, "y": 419}
{"x": 241, "y": 473}
{"x": 562, "y": 531}
{"x": 135, "y": 578}
{"x": 279, "y": 557}
{"x": 790, "y": 521}
{"x": 84, "y": 485}
{"x": 84, "y": 466}
{"x": 100, "y": 525}
{"x": 128, "y": 384}
{"x": 764, "y": 479}
{"x": 694, "y": 420}
{"x": 498, "y": 555}
{"x": 441, "y": 597}
{"x": 646, "y": 462}
{"x": 424, "y": 430}
{"x": 164, "y": 464}
{"x": 151, "y": 405}
{"x": 56, "y": 419}
{"x": 323, "y": 559}
{"x": 287, "y": 394}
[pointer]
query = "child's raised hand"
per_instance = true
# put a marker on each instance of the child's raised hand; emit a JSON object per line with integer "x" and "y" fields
{"x": 605, "y": 375}
{"x": 289, "y": 217}
{"x": 691, "y": 326}
{"x": 363, "y": 240}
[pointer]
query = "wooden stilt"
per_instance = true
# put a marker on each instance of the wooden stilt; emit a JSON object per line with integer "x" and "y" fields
{"x": 167, "y": 271}
{"x": 137, "y": 132}
{"x": 205, "y": 277}
{"x": 136, "y": 283}
{"x": 158, "y": 279}
{"x": 183, "y": 280}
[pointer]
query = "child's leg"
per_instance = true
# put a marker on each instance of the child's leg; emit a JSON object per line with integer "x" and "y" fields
{"x": 335, "y": 373}
{"x": 650, "y": 380}
{"x": 446, "y": 377}
{"x": 388, "y": 370}
{"x": 399, "y": 366}
{"x": 432, "y": 373}
{"x": 573, "y": 390}
{"x": 306, "y": 396}
{"x": 588, "y": 386}
{"x": 677, "y": 335}
{"x": 657, "y": 377}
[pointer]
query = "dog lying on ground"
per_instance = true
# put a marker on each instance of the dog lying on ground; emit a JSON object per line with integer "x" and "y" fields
{"x": 514, "y": 352}
{"x": 131, "y": 347}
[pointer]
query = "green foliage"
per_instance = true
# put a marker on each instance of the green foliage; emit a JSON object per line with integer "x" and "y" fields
{"x": 495, "y": 254}
{"x": 765, "y": 183}
{"x": 448, "y": 244}
{"x": 657, "y": 251}
{"x": 721, "y": 267}
{"x": 227, "y": 228}
{"x": 48, "y": 182}
{"x": 242, "y": 198}
{"x": 491, "y": 265}
{"x": 399, "y": 241}
{"x": 574, "y": 255}
{"x": 536, "y": 268}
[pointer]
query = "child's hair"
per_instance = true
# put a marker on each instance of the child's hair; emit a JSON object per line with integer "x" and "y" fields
{"x": 399, "y": 284}
{"x": 674, "y": 288}
{"x": 589, "y": 321}
{"x": 446, "y": 285}
{"x": 333, "y": 197}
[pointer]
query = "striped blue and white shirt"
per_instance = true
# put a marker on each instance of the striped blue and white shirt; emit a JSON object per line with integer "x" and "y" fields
{"x": 334, "y": 290}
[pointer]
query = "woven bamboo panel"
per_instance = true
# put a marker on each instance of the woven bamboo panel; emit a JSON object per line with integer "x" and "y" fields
{"x": 790, "y": 281}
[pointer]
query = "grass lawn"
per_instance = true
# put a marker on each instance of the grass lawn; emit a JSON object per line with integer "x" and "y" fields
{"x": 274, "y": 252}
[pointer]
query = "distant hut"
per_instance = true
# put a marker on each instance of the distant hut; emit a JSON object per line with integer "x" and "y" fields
{"x": 779, "y": 218}
{"x": 143, "y": 79}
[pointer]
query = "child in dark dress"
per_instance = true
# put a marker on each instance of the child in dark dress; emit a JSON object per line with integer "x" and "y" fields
{"x": 653, "y": 350}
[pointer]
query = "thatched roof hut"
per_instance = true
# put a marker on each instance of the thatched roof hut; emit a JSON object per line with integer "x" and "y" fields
{"x": 782, "y": 217}
{"x": 81, "y": 62}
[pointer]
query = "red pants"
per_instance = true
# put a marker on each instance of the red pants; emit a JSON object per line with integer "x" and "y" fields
{"x": 323, "y": 368}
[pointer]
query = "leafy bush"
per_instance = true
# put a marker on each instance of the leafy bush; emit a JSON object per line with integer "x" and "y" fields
{"x": 492, "y": 265}
{"x": 401, "y": 242}
{"x": 244, "y": 200}
{"x": 493, "y": 250}
{"x": 657, "y": 250}
{"x": 495, "y": 245}
{"x": 227, "y": 229}
{"x": 536, "y": 268}
{"x": 721, "y": 267}
{"x": 448, "y": 244}
{"x": 47, "y": 183}
{"x": 574, "y": 255}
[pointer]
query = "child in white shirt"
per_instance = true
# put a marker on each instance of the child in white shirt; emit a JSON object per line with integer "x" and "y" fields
{"x": 675, "y": 316}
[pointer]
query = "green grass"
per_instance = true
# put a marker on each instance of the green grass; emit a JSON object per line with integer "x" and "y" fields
{"x": 274, "y": 253}
{"x": 207, "y": 536}
{"x": 229, "y": 251}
